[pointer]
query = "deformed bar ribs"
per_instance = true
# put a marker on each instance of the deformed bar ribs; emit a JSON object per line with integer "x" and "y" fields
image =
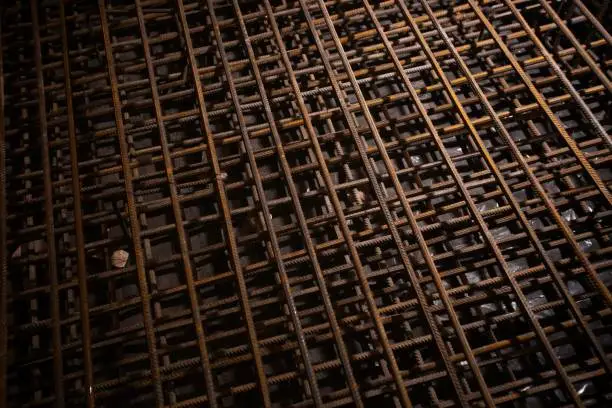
{"x": 305, "y": 203}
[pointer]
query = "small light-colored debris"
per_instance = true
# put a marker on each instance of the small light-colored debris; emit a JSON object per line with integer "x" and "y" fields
{"x": 222, "y": 176}
{"x": 416, "y": 160}
{"x": 569, "y": 215}
{"x": 586, "y": 244}
{"x": 359, "y": 196}
{"x": 120, "y": 258}
{"x": 584, "y": 388}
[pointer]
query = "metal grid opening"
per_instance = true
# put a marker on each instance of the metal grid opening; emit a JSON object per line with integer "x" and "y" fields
{"x": 357, "y": 203}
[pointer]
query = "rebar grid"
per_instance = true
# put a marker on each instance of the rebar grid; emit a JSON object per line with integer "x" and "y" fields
{"x": 359, "y": 203}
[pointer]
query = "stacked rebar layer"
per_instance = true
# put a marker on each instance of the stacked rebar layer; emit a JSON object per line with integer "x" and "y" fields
{"x": 305, "y": 203}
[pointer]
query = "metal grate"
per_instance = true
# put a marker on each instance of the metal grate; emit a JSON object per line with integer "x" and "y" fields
{"x": 358, "y": 203}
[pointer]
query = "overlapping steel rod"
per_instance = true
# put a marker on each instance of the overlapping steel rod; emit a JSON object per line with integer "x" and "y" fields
{"x": 132, "y": 214}
{"x": 305, "y": 203}
{"x": 223, "y": 203}
{"x": 3, "y": 240}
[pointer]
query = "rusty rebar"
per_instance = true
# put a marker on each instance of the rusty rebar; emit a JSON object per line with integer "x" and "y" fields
{"x": 305, "y": 203}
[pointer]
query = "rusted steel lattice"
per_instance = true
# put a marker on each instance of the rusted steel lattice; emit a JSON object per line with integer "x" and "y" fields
{"x": 305, "y": 203}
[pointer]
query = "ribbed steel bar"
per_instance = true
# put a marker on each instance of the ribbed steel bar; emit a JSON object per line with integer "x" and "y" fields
{"x": 542, "y": 103}
{"x": 329, "y": 185}
{"x": 593, "y": 20}
{"x": 223, "y": 203}
{"x": 500, "y": 179}
{"x": 574, "y": 41}
{"x": 78, "y": 217}
{"x": 3, "y": 238}
{"x": 303, "y": 229}
{"x": 555, "y": 212}
{"x": 132, "y": 213}
{"x": 52, "y": 262}
{"x": 306, "y": 203}
{"x": 423, "y": 245}
{"x": 42, "y": 323}
{"x": 542, "y": 193}
{"x": 414, "y": 225}
{"x": 176, "y": 209}
{"x": 472, "y": 207}
{"x": 561, "y": 75}
{"x": 379, "y": 197}
{"x": 261, "y": 195}
{"x": 464, "y": 49}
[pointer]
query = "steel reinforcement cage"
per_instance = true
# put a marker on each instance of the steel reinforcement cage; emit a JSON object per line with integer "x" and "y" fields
{"x": 305, "y": 203}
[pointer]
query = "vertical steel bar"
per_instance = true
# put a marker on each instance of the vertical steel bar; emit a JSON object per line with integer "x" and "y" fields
{"x": 267, "y": 215}
{"x": 508, "y": 193}
{"x": 333, "y": 195}
{"x": 416, "y": 230}
{"x": 371, "y": 303}
{"x": 78, "y": 215}
{"x": 348, "y": 115}
{"x": 571, "y": 143}
{"x": 58, "y": 368}
{"x": 423, "y": 304}
{"x": 176, "y": 209}
{"x": 3, "y": 237}
{"x": 143, "y": 288}
{"x": 278, "y": 145}
{"x": 486, "y": 233}
{"x": 226, "y": 215}
{"x": 569, "y": 235}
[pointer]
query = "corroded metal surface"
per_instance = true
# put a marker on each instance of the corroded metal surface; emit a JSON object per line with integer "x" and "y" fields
{"x": 359, "y": 203}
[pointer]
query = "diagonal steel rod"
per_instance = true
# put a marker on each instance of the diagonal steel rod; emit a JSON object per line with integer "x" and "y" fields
{"x": 178, "y": 218}
{"x": 58, "y": 366}
{"x": 581, "y": 51}
{"x": 329, "y": 122}
{"x": 486, "y": 395}
{"x": 593, "y": 20}
{"x": 223, "y": 204}
{"x": 543, "y": 105}
{"x": 591, "y": 119}
{"x": 261, "y": 195}
{"x": 352, "y": 383}
{"x": 3, "y": 238}
{"x": 143, "y": 288}
{"x": 78, "y": 217}
{"x": 516, "y": 207}
{"x": 376, "y": 188}
{"x": 558, "y": 218}
{"x": 520, "y": 296}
